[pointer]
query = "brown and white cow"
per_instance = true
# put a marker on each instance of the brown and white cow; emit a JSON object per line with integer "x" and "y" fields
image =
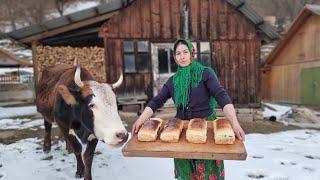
{"x": 83, "y": 109}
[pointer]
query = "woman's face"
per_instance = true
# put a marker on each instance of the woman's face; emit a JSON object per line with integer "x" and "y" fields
{"x": 182, "y": 55}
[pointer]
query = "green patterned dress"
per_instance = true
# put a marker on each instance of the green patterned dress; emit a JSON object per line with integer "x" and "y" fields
{"x": 198, "y": 169}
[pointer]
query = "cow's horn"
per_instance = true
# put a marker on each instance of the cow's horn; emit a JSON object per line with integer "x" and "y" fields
{"x": 77, "y": 78}
{"x": 75, "y": 62}
{"x": 119, "y": 82}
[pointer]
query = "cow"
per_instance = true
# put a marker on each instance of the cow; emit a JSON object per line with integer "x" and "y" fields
{"x": 84, "y": 110}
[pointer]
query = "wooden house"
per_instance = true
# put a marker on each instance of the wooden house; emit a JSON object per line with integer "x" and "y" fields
{"x": 137, "y": 37}
{"x": 291, "y": 72}
{"x": 227, "y": 35}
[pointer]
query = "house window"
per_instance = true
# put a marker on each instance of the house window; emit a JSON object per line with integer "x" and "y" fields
{"x": 129, "y": 62}
{"x": 142, "y": 56}
{"x": 205, "y": 53}
{"x": 136, "y": 57}
{"x": 166, "y": 61}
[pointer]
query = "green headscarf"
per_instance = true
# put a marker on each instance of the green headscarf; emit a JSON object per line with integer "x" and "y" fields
{"x": 189, "y": 77}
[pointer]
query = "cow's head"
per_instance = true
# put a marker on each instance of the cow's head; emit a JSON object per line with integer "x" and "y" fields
{"x": 96, "y": 109}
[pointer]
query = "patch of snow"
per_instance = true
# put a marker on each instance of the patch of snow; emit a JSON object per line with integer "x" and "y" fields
{"x": 278, "y": 156}
{"x": 286, "y": 155}
{"x": 17, "y": 111}
{"x": 9, "y": 70}
{"x": 6, "y": 25}
{"x": 6, "y": 124}
{"x": 16, "y": 49}
{"x": 298, "y": 116}
{"x": 23, "y": 53}
{"x": 276, "y": 110}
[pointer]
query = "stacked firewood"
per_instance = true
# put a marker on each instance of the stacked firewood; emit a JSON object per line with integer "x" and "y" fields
{"x": 92, "y": 58}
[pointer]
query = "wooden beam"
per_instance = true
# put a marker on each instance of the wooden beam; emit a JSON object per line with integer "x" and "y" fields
{"x": 69, "y": 41}
{"x": 18, "y": 60}
{"x": 75, "y": 34}
{"x": 35, "y": 63}
{"x": 68, "y": 28}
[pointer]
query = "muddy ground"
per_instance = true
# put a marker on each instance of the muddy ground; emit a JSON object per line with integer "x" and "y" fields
{"x": 11, "y": 136}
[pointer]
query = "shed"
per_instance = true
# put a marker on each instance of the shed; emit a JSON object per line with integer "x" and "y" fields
{"x": 73, "y": 36}
{"x": 291, "y": 72}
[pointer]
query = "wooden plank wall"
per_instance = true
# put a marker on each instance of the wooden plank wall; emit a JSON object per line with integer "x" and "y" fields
{"x": 234, "y": 43}
{"x": 134, "y": 82}
{"x": 302, "y": 50}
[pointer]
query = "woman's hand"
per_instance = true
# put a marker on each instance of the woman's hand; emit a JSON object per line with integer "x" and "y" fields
{"x": 146, "y": 114}
{"x": 137, "y": 125}
{"x": 230, "y": 113}
{"x": 238, "y": 131}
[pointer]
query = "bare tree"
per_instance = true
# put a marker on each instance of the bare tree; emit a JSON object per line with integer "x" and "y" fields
{"x": 12, "y": 10}
{"x": 60, "y": 5}
{"x": 282, "y": 9}
{"x": 36, "y": 10}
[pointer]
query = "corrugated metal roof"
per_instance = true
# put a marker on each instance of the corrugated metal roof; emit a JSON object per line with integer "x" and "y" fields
{"x": 269, "y": 30}
{"x": 66, "y": 20}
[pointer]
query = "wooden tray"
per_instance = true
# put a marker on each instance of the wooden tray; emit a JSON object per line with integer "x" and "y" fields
{"x": 185, "y": 150}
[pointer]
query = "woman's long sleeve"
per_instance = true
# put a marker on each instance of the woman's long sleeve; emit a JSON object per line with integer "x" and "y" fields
{"x": 159, "y": 100}
{"x": 216, "y": 89}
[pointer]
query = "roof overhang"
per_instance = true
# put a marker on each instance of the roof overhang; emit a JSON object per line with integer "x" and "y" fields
{"x": 306, "y": 12}
{"x": 66, "y": 23}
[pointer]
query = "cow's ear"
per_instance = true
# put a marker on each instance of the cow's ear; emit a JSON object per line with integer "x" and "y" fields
{"x": 86, "y": 91}
{"x": 66, "y": 95}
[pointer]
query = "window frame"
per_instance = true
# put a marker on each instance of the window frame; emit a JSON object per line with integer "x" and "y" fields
{"x": 128, "y": 53}
{"x": 199, "y": 51}
{"x": 135, "y": 54}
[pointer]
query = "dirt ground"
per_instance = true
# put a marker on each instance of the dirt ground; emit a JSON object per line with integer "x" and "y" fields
{"x": 265, "y": 126}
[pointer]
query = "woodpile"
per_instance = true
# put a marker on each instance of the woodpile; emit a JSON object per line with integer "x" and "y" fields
{"x": 92, "y": 58}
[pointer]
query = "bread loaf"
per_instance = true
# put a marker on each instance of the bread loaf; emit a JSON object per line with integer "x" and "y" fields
{"x": 172, "y": 130}
{"x": 149, "y": 129}
{"x": 197, "y": 131}
{"x": 223, "y": 132}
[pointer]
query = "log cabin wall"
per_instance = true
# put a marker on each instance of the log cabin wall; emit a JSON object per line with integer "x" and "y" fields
{"x": 234, "y": 41}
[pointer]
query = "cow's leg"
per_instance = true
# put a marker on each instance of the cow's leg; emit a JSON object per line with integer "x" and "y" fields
{"x": 47, "y": 136}
{"x": 76, "y": 148}
{"x": 88, "y": 158}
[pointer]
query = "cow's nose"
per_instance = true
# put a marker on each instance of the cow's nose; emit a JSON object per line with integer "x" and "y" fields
{"x": 123, "y": 136}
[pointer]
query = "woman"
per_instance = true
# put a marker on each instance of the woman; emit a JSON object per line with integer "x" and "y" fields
{"x": 195, "y": 90}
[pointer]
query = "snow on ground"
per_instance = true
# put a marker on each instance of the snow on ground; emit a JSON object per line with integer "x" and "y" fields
{"x": 6, "y": 124}
{"x": 295, "y": 115}
{"x": 6, "y": 112}
{"x": 9, "y": 70}
{"x": 275, "y": 110}
{"x": 286, "y": 155}
{"x": 16, "y": 49}
{"x": 279, "y": 156}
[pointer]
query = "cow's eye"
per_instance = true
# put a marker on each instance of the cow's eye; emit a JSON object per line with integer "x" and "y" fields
{"x": 91, "y": 105}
